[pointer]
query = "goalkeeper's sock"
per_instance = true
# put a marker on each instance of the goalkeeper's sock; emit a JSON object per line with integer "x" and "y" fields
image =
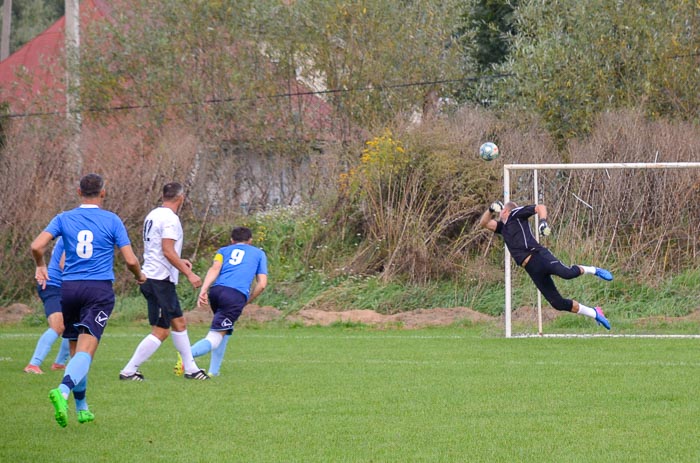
{"x": 588, "y": 269}
{"x": 586, "y": 311}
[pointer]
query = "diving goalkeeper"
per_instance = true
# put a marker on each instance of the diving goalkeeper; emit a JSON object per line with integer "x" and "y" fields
{"x": 536, "y": 259}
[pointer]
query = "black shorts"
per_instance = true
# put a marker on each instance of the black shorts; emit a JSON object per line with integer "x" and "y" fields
{"x": 163, "y": 304}
{"x": 227, "y": 305}
{"x": 86, "y": 304}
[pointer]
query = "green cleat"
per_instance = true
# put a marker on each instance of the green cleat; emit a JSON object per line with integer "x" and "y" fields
{"x": 60, "y": 405}
{"x": 179, "y": 369}
{"x": 85, "y": 416}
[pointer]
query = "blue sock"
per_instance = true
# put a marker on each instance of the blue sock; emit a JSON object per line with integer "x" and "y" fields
{"x": 76, "y": 370}
{"x": 217, "y": 356}
{"x": 201, "y": 347}
{"x": 79, "y": 395}
{"x": 63, "y": 352}
{"x": 43, "y": 346}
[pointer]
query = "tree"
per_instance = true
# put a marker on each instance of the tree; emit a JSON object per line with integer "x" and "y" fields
{"x": 32, "y": 17}
{"x": 572, "y": 60}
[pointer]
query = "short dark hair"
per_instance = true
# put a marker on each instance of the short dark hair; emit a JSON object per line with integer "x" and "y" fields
{"x": 241, "y": 234}
{"x": 172, "y": 190}
{"x": 91, "y": 185}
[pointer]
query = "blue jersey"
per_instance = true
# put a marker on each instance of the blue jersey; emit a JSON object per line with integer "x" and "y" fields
{"x": 240, "y": 263}
{"x": 89, "y": 237}
{"x": 54, "y": 267}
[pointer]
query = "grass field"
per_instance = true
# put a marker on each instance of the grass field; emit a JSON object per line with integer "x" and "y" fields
{"x": 353, "y": 394}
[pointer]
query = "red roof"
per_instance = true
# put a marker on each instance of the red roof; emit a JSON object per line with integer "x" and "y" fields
{"x": 33, "y": 80}
{"x": 30, "y": 73}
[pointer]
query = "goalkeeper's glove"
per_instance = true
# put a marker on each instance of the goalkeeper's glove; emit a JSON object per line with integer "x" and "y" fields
{"x": 544, "y": 228}
{"x": 496, "y": 206}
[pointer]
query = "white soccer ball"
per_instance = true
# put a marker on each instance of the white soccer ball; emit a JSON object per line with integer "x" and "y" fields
{"x": 489, "y": 151}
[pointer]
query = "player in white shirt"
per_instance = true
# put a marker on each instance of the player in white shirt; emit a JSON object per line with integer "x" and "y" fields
{"x": 162, "y": 245}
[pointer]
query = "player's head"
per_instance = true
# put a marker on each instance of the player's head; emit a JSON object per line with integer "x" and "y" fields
{"x": 507, "y": 207}
{"x": 241, "y": 235}
{"x": 172, "y": 191}
{"x": 91, "y": 186}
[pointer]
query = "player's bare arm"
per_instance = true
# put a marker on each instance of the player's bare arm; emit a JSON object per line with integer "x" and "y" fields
{"x": 259, "y": 287}
{"x": 39, "y": 246}
{"x": 487, "y": 221}
{"x": 183, "y": 265}
{"x": 132, "y": 263}
{"x": 211, "y": 276}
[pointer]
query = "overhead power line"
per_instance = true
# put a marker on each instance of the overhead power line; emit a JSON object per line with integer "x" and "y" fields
{"x": 259, "y": 97}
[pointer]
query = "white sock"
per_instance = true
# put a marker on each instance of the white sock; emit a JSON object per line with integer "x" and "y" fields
{"x": 182, "y": 343}
{"x": 588, "y": 269}
{"x": 145, "y": 349}
{"x": 586, "y": 311}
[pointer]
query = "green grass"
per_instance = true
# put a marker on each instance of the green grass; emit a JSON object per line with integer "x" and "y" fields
{"x": 350, "y": 393}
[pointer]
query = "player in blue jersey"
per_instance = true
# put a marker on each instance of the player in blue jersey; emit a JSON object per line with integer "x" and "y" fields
{"x": 230, "y": 277}
{"x": 90, "y": 235}
{"x": 50, "y": 294}
{"x": 539, "y": 263}
{"x": 162, "y": 245}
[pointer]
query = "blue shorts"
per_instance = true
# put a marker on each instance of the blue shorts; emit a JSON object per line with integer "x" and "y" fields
{"x": 227, "y": 305}
{"x": 51, "y": 298}
{"x": 87, "y": 305}
{"x": 163, "y": 304}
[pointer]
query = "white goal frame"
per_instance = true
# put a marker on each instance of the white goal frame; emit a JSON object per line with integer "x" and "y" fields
{"x": 508, "y": 168}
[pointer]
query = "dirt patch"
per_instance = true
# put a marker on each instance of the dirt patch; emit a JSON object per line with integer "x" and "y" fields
{"x": 312, "y": 317}
{"x": 14, "y": 313}
{"x": 529, "y": 314}
{"x": 252, "y": 313}
{"x": 413, "y": 319}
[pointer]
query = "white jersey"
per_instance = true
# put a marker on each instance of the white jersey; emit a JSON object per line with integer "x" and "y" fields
{"x": 160, "y": 223}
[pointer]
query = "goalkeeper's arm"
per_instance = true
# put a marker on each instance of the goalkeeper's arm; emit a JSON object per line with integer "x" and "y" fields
{"x": 541, "y": 211}
{"x": 487, "y": 221}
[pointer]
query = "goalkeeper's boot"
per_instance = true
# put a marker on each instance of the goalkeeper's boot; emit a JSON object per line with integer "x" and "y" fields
{"x": 600, "y": 318}
{"x": 60, "y": 405}
{"x": 179, "y": 368}
{"x": 85, "y": 416}
{"x": 604, "y": 274}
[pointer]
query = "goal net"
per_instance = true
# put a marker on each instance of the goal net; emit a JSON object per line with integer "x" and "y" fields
{"x": 640, "y": 220}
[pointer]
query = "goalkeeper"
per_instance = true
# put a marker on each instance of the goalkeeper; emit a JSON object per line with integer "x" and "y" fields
{"x": 536, "y": 259}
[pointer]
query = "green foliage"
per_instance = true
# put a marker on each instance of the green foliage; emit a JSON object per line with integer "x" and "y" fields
{"x": 492, "y": 22}
{"x": 414, "y": 202}
{"x": 572, "y": 61}
{"x": 32, "y": 17}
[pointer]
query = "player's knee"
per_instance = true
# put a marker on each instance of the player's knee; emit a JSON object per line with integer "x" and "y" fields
{"x": 214, "y": 339}
{"x": 559, "y": 303}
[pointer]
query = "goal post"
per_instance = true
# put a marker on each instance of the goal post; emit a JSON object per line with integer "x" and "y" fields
{"x": 534, "y": 168}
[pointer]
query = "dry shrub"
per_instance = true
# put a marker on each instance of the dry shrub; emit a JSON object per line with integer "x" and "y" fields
{"x": 421, "y": 221}
{"x": 642, "y": 220}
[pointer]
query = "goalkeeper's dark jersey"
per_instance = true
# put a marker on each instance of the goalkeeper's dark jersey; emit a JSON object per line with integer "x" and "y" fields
{"x": 517, "y": 235}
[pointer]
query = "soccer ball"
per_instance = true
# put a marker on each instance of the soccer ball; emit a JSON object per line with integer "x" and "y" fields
{"x": 489, "y": 151}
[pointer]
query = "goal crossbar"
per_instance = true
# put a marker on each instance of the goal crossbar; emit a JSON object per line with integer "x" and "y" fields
{"x": 507, "y": 168}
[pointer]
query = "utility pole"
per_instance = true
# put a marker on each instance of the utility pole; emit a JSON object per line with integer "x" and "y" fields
{"x": 73, "y": 115}
{"x": 6, "y": 27}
